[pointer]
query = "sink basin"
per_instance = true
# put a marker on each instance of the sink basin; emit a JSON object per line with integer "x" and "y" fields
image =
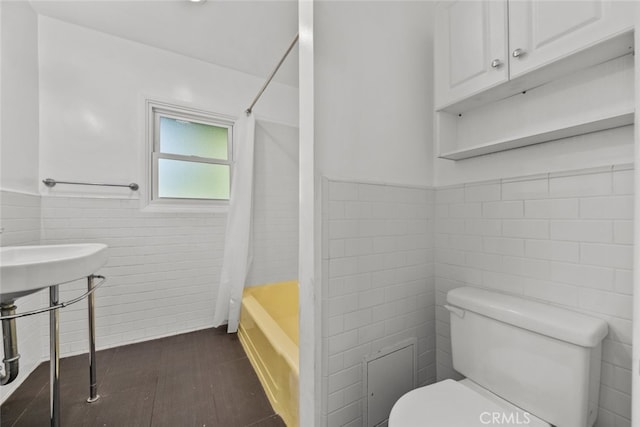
{"x": 27, "y": 269}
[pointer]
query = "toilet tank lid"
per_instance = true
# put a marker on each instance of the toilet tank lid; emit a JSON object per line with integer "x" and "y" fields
{"x": 552, "y": 321}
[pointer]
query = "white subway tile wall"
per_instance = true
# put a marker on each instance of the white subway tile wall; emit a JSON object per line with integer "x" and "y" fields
{"x": 560, "y": 238}
{"x": 19, "y": 218}
{"x": 163, "y": 269}
{"x": 378, "y": 285}
{"x": 20, "y": 223}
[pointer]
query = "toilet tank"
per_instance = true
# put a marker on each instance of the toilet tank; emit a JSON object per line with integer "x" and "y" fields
{"x": 542, "y": 358}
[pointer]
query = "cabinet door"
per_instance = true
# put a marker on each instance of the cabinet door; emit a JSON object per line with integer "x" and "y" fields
{"x": 546, "y": 31}
{"x": 470, "y": 48}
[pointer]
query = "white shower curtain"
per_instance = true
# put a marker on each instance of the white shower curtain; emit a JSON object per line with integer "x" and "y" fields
{"x": 237, "y": 244}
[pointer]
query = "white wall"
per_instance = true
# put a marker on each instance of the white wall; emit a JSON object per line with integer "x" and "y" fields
{"x": 19, "y": 205}
{"x": 20, "y": 214}
{"x": 373, "y": 99}
{"x": 92, "y": 92}
{"x": 372, "y": 123}
{"x": 19, "y": 101}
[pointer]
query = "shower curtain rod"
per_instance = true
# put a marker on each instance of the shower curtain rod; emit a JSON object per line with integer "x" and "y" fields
{"x": 273, "y": 73}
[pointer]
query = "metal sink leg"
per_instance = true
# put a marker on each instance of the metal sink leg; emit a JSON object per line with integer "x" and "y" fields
{"x": 93, "y": 386}
{"x": 54, "y": 361}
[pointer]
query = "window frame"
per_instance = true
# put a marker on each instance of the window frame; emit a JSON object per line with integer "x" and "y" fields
{"x": 154, "y": 111}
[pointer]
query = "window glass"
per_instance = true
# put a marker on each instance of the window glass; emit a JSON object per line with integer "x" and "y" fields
{"x": 193, "y": 139}
{"x": 192, "y": 180}
{"x": 190, "y": 155}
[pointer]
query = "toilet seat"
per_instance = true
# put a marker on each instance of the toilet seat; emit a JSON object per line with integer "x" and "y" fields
{"x": 452, "y": 403}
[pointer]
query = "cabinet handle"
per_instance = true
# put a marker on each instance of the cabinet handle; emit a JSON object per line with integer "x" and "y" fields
{"x": 496, "y": 63}
{"x": 517, "y": 53}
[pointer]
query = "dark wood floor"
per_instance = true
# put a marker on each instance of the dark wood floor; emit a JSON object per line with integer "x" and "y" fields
{"x": 198, "y": 379}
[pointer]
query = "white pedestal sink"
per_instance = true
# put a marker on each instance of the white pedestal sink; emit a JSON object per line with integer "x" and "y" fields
{"x": 28, "y": 269}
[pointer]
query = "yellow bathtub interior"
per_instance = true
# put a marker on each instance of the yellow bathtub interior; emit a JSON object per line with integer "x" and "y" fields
{"x": 268, "y": 332}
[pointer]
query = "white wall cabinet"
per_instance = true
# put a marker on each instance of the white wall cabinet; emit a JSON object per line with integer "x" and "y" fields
{"x": 541, "y": 32}
{"x": 471, "y": 49}
{"x": 483, "y": 44}
{"x": 521, "y": 59}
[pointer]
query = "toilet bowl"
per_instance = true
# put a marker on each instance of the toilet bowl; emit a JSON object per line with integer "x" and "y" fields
{"x": 526, "y": 364}
{"x": 452, "y": 403}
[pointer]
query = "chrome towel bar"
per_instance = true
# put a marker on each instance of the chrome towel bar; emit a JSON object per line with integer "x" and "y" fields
{"x": 49, "y": 182}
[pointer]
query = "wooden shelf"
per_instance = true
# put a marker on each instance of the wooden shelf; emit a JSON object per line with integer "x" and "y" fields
{"x": 613, "y": 121}
{"x": 591, "y": 100}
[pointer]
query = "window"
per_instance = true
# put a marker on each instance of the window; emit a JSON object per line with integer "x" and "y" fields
{"x": 191, "y": 155}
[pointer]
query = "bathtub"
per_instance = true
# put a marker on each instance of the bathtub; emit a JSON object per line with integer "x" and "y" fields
{"x": 268, "y": 332}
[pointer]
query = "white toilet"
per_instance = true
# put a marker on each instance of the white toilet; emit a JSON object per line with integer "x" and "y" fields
{"x": 526, "y": 363}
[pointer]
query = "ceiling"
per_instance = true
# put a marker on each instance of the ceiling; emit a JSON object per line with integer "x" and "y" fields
{"x": 248, "y": 36}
